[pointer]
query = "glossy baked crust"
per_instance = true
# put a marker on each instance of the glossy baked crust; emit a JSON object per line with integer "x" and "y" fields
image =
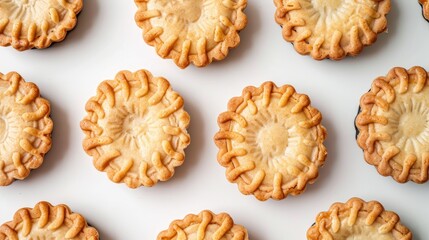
{"x": 25, "y": 128}
{"x": 135, "y": 129}
{"x": 425, "y": 5}
{"x": 27, "y": 24}
{"x": 331, "y": 28}
{"x": 360, "y": 220}
{"x": 271, "y": 141}
{"x": 45, "y": 221}
{"x": 205, "y": 225}
{"x": 392, "y": 124}
{"x": 191, "y": 31}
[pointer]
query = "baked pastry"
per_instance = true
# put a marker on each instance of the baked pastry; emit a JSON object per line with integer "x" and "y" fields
{"x": 331, "y": 29}
{"x": 425, "y": 5}
{"x": 26, "y": 24}
{"x": 357, "y": 219}
{"x": 271, "y": 141}
{"x": 45, "y": 221}
{"x": 392, "y": 124}
{"x": 190, "y": 31}
{"x": 135, "y": 129}
{"x": 205, "y": 225}
{"x": 25, "y": 128}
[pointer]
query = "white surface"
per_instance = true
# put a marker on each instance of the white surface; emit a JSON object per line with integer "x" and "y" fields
{"x": 107, "y": 40}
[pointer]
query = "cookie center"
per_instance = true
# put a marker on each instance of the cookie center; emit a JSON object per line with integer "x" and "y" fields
{"x": 273, "y": 139}
{"x": 2, "y": 129}
{"x": 134, "y": 126}
{"x": 189, "y": 10}
{"x": 412, "y": 124}
{"x": 324, "y": 4}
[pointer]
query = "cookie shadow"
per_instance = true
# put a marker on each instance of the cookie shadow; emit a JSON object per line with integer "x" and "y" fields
{"x": 85, "y": 22}
{"x": 247, "y": 35}
{"x": 60, "y": 143}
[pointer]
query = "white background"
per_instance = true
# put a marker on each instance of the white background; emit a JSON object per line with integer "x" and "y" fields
{"x": 107, "y": 40}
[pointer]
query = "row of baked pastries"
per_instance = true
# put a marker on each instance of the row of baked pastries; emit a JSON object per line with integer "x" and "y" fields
{"x": 355, "y": 219}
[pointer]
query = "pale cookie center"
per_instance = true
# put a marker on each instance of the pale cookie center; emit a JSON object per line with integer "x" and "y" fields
{"x": 273, "y": 140}
{"x": 412, "y": 124}
{"x": 323, "y": 4}
{"x": 134, "y": 126}
{"x": 3, "y": 131}
{"x": 189, "y": 10}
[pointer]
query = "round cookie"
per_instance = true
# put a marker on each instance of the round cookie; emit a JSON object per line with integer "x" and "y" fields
{"x": 425, "y": 6}
{"x": 331, "y": 28}
{"x": 392, "y": 124}
{"x": 191, "y": 31}
{"x": 205, "y": 225}
{"x": 135, "y": 129}
{"x": 357, "y": 219}
{"x": 271, "y": 141}
{"x": 27, "y": 24}
{"x": 25, "y": 128}
{"x": 45, "y": 221}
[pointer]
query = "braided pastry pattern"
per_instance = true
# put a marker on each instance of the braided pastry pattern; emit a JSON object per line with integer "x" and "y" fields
{"x": 25, "y": 128}
{"x": 29, "y": 24}
{"x": 271, "y": 141}
{"x": 205, "y": 225}
{"x": 191, "y": 31}
{"x": 392, "y": 124}
{"x": 47, "y": 222}
{"x": 136, "y": 129}
{"x": 357, "y": 219}
{"x": 331, "y": 28}
{"x": 425, "y": 5}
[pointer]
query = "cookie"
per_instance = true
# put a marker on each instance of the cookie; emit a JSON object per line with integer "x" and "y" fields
{"x": 331, "y": 29}
{"x": 135, "y": 129}
{"x": 25, "y": 128}
{"x": 271, "y": 141}
{"x": 27, "y": 24}
{"x": 357, "y": 219}
{"x": 425, "y": 6}
{"x": 205, "y": 225}
{"x": 190, "y": 31}
{"x": 45, "y": 221}
{"x": 392, "y": 124}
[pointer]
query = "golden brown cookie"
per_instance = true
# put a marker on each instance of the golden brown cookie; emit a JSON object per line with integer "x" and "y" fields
{"x": 425, "y": 5}
{"x": 357, "y": 219}
{"x": 205, "y": 225}
{"x": 135, "y": 129}
{"x": 26, "y": 24}
{"x": 191, "y": 31}
{"x": 45, "y": 221}
{"x": 331, "y": 28}
{"x": 271, "y": 141}
{"x": 393, "y": 124}
{"x": 25, "y": 128}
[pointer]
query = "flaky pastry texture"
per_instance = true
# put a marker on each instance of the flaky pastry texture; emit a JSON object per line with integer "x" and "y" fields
{"x": 393, "y": 124}
{"x": 25, "y": 128}
{"x": 27, "y": 24}
{"x": 358, "y": 220}
{"x": 45, "y": 221}
{"x": 135, "y": 129}
{"x": 191, "y": 31}
{"x": 331, "y": 28}
{"x": 205, "y": 225}
{"x": 271, "y": 141}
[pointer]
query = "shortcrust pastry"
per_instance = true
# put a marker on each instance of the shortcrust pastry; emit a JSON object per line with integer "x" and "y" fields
{"x": 331, "y": 28}
{"x": 425, "y": 5}
{"x": 136, "y": 129}
{"x": 26, "y": 24}
{"x": 25, "y": 128}
{"x": 393, "y": 124}
{"x": 191, "y": 31}
{"x": 205, "y": 225}
{"x": 45, "y": 221}
{"x": 271, "y": 141}
{"x": 357, "y": 219}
